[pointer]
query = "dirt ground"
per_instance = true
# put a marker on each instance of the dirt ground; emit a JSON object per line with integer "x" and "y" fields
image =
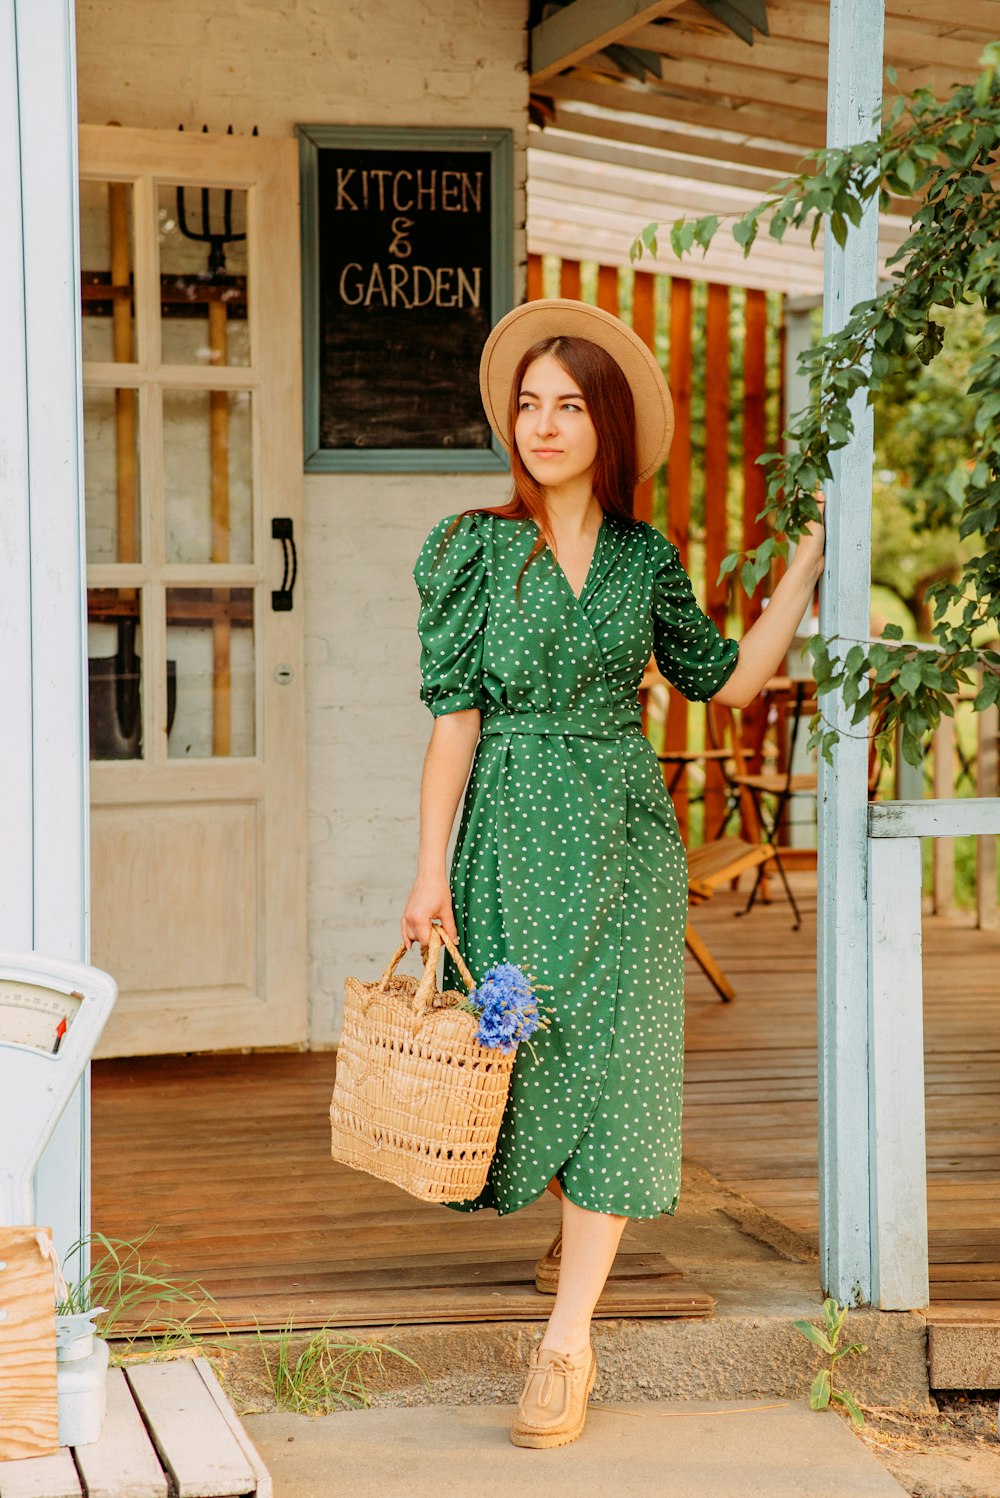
{"x": 950, "y": 1452}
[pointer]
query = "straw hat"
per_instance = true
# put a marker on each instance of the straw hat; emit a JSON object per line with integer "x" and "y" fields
{"x": 554, "y": 317}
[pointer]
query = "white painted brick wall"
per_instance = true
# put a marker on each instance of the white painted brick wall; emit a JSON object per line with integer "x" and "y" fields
{"x": 275, "y": 64}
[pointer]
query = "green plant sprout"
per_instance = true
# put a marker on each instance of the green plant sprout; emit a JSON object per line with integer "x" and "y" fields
{"x": 119, "y": 1281}
{"x": 823, "y": 1392}
{"x": 326, "y": 1374}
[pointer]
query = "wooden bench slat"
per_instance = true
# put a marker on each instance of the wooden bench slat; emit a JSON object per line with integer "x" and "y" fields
{"x": 192, "y": 1438}
{"x": 123, "y": 1462}
{"x": 40, "y": 1477}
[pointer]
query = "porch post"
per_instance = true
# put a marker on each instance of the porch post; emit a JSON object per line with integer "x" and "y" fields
{"x": 845, "y": 1135}
{"x": 43, "y": 746}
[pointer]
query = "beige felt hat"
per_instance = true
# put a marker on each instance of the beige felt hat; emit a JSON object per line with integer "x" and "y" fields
{"x": 553, "y": 317}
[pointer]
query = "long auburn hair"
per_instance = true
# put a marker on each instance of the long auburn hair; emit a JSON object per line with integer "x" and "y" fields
{"x": 611, "y": 409}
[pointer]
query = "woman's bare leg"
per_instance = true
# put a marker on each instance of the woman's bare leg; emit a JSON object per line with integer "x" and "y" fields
{"x": 554, "y": 1187}
{"x": 589, "y": 1243}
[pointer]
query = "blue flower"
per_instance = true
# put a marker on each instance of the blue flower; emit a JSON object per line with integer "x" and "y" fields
{"x": 508, "y": 1008}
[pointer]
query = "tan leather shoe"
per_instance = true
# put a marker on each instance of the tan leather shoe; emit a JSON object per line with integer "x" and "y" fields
{"x": 552, "y": 1410}
{"x": 547, "y": 1268}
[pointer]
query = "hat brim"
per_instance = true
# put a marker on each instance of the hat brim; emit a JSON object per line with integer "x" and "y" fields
{"x": 554, "y": 317}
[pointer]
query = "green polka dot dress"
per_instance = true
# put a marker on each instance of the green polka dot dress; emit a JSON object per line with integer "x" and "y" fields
{"x": 568, "y": 861}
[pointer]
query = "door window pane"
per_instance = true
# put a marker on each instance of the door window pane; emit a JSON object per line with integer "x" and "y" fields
{"x": 203, "y": 275}
{"x": 111, "y": 474}
{"x": 210, "y": 637}
{"x": 106, "y": 260}
{"x": 114, "y": 646}
{"x": 207, "y": 475}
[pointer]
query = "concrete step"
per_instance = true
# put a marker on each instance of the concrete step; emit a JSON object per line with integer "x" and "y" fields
{"x": 715, "y": 1449}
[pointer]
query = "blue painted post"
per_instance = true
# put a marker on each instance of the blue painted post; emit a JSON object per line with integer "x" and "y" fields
{"x": 850, "y": 275}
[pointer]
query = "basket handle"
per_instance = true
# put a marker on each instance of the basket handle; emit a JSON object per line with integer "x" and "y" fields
{"x": 438, "y": 937}
{"x": 425, "y": 988}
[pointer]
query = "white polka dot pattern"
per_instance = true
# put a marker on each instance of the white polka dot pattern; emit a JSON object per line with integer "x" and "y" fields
{"x": 568, "y": 860}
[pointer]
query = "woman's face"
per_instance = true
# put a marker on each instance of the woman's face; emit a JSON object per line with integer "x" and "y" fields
{"x": 553, "y": 431}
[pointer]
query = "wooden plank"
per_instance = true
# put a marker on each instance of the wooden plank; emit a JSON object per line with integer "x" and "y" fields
{"x": 754, "y": 496}
{"x": 716, "y": 448}
{"x": 41, "y": 1477}
{"x": 717, "y": 393}
{"x": 193, "y": 1440}
{"x": 644, "y": 324}
{"x": 29, "y": 1418}
{"x": 535, "y": 288}
{"x": 987, "y": 785}
{"x": 585, "y": 27}
{"x": 123, "y": 1462}
{"x": 677, "y": 731}
{"x": 750, "y": 1108}
{"x": 966, "y": 816}
{"x": 569, "y": 280}
{"x": 943, "y": 848}
{"x": 607, "y": 288}
{"x": 264, "y": 1487}
{"x": 899, "y": 1168}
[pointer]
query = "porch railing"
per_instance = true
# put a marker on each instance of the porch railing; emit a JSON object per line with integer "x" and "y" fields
{"x": 898, "y": 1163}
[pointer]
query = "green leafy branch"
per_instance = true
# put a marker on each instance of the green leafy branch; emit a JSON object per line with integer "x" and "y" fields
{"x": 823, "y": 1391}
{"x": 947, "y": 156}
{"x": 918, "y": 682}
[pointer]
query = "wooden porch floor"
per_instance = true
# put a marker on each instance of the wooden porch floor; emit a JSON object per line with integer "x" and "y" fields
{"x": 227, "y": 1156}
{"x": 750, "y": 1093}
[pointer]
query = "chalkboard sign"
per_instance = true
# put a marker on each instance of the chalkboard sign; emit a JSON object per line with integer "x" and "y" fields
{"x": 407, "y": 264}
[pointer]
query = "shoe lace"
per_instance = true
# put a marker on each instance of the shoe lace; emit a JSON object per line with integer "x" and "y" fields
{"x": 560, "y": 1364}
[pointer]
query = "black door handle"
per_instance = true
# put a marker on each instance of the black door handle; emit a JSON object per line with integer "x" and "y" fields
{"x": 283, "y": 531}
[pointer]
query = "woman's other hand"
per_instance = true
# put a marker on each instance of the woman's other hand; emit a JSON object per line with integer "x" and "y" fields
{"x": 430, "y": 900}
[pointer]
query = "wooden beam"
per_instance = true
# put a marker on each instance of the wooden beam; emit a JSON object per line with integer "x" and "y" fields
{"x": 844, "y": 984}
{"x": 535, "y": 288}
{"x": 584, "y": 27}
{"x": 789, "y": 129}
{"x": 965, "y": 816}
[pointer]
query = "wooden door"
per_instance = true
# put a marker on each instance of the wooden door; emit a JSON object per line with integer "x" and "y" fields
{"x": 192, "y": 465}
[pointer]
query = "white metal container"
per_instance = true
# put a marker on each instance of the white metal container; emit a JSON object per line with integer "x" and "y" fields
{"x": 82, "y": 1379}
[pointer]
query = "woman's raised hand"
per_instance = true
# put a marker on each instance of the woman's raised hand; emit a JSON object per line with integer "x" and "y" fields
{"x": 812, "y": 543}
{"x": 430, "y": 900}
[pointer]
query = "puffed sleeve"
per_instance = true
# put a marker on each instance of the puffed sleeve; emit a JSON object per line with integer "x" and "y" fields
{"x": 689, "y": 648}
{"x": 452, "y": 578}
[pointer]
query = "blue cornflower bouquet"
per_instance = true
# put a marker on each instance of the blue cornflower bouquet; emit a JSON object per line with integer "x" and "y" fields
{"x": 506, "y": 1004}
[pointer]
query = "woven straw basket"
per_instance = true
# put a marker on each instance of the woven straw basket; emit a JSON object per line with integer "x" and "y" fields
{"x": 417, "y": 1100}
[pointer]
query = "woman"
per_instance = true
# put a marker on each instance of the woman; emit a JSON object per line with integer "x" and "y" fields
{"x": 537, "y": 620}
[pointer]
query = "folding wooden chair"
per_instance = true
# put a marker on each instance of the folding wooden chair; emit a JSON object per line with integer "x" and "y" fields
{"x": 710, "y": 866}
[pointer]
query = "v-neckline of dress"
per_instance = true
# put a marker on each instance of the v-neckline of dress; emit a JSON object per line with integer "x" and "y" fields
{"x": 578, "y": 597}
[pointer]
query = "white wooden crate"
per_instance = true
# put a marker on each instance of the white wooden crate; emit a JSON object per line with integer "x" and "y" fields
{"x": 170, "y": 1432}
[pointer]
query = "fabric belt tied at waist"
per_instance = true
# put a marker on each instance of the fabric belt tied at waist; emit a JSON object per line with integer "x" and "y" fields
{"x": 589, "y": 724}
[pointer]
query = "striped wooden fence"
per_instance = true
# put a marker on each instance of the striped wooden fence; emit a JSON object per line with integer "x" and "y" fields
{"x": 661, "y": 310}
